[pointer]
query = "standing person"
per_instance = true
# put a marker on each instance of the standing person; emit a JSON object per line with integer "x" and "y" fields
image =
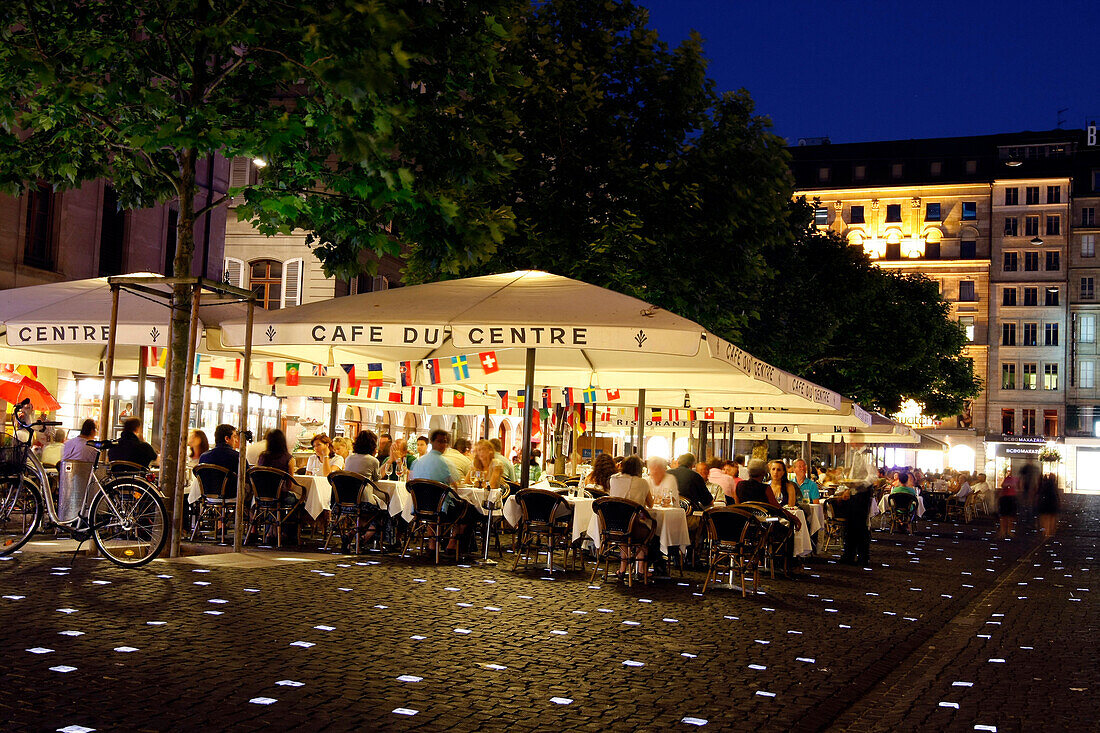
{"x": 362, "y": 460}
{"x": 76, "y": 448}
{"x": 130, "y": 446}
{"x": 1027, "y": 486}
{"x": 324, "y": 459}
{"x": 1046, "y": 504}
{"x": 855, "y": 506}
{"x": 1006, "y": 506}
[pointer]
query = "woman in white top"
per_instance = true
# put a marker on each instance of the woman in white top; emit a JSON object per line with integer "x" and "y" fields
{"x": 629, "y": 484}
{"x": 661, "y": 482}
{"x": 324, "y": 459}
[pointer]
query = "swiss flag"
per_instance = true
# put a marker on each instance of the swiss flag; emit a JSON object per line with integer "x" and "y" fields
{"x": 489, "y": 361}
{"x": 612, "y": 394}
{"x": 708, "y": 414}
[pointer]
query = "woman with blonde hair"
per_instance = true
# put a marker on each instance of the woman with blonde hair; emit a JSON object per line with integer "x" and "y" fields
{"x": 487, "y": 468}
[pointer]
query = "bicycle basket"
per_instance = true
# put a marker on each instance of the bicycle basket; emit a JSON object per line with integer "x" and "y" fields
{"x": 13, "y": 456}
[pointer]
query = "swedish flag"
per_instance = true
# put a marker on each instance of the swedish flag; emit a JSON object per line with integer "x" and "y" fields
{"x": 461, "y": 370}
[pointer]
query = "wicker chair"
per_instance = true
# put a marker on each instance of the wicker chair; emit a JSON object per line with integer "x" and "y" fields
{"x": 903, "y": 511}
{"x": 735, "y": 538}
{"x": 219, "y": 496}
{"x": 430, "y": 518}
{"x": 779, "y": 532}
{"x": 834, "y": 525}
{"x": 270, "y": 508}
{"x": 349, "y": 515}
{"x": 622, "y": 527}
{"x": 543, "y": 527}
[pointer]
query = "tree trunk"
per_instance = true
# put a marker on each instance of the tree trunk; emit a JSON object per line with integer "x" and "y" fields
{"x": 180, "y": 331}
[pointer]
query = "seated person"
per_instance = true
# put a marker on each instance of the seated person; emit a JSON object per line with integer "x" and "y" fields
{"x": 689, "y": 484}
{"x": 509, "y": 470}
{"x": 224, "y": 453}
{"x": 629, "y": 484}
{"x": 130, "y": 446}
{"x": 324, "y": 460}
{"x": 434, "y": 467}
{"x": 809, "y": 489}
{"x": 661, "y": 482}
{"x": 77, "y": 448}
{"x": 487, "y": 468}
{"x": 716, "y": 475}
{"x": 901, "y": 485}
{"x": 603, "y": 468}
{"x": 459, "y": 464}
{"x": 361, "y": 460}
{"x": 397, "y": 461}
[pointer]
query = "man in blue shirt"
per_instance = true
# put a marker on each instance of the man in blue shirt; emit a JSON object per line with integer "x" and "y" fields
{"x": 809, "y": 489}
{"x": 224, "y": 453}
{"x": 432, "y": 465}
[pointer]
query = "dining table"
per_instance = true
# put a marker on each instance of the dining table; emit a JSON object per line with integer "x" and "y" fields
{"x": 579, "y": 506}
{"x": 672, "y": 528}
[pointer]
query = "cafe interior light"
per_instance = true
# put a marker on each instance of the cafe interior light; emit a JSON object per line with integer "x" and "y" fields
{"x": 259, "y": 162}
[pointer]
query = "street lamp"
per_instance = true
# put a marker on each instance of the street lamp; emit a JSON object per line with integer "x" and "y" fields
{"x": 1036, "y": 241}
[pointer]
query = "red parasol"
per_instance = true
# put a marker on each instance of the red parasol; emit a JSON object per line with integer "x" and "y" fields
{"x": 15, "y": 388}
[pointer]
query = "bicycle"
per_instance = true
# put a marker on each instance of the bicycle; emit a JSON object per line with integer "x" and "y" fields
{"x": 125, "y": 516}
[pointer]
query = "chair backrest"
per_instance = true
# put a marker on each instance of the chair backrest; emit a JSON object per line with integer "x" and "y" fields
{"x": 427, "y": 495}
{"x": 616, "y": 515}
{"x": 595, "y": 492}
{"x": 556, "y": 484}
{"x": 379, "y": 491}
{"x": 267, "y": 483}
{"x": 830, "y": 510}
{"x": 731, "y": 525}
{"x": 125, "y": 468}
{"x": 214, "y": 480}
{"x": 572, "y": 481}
{"x": 347, "y": 485}
{"x": 902, "y": 502}
{"x": 539, "y": 505}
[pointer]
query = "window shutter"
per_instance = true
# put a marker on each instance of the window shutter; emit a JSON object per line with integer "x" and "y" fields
{"x": 381, "y": 282}
{"x": 233, "y": 272}
{"x": 239, "y": 174}
{"x": 292, "y": 282}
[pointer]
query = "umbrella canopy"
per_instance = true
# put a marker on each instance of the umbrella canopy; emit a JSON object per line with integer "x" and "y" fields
{"x": 584, "y": 335}
{"x": 15, "y": 388}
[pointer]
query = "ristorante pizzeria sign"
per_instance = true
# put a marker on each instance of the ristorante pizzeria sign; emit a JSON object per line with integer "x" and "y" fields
{"x": 662, "y": 341}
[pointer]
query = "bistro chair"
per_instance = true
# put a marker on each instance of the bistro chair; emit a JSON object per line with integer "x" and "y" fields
{"x": 834, "y": 525}
{"x": 349, "y": 513}
{"x": 543, "y": 527}
{"x": 572, "y": 481}
{"x": 128, "y": 468}
{"x": 219, "y": 496}
{"x": 622, "y": 527}
{"x": 592, "y": 492}
{"x": 736, "y": 539}
{"x": 780, "y": 531}
{"x": 903, "y": 510}
{"x": 433, "y": 515}
{"x": 499, "y": 523}
{"x": 974, "y": 506}
{"x": 271, "y": 509}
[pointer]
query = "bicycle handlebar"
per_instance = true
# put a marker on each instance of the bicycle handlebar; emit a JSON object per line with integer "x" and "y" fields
{"x": 37, "y": 423}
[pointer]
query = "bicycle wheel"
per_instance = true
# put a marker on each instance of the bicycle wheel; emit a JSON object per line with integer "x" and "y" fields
{"x": 129, "y": 523}
{"x": 20, "y": 513}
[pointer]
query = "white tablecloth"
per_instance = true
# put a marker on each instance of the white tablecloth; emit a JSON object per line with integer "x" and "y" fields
{"x": 802, "y": 544}
{"x": 581, "y": 507}
{"x": 317, "y": 494}
{"x": 883, "y": 504}
{"x": 672, "y": 528}
{"x": 817, "y": 517}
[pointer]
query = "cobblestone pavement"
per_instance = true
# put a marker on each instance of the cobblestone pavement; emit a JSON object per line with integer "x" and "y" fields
{"x": 949, "y": 629}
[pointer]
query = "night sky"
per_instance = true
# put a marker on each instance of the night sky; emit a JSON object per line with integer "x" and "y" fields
{"x": 856, "y": 71}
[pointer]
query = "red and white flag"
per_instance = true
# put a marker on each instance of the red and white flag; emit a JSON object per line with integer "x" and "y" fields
{"x": 489, "y": 361}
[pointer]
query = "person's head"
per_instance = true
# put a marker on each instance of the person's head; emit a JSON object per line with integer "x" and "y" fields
{"x": 777, "y": 470}
{"x": 276, "y": 443}
{"x": 603, "y": 468}
{"x": 439, "y": 439}
{"x": 739, "y": 460}
{"x": 981, "y": 477}
{"x": 462, "y": 446}
{"x": 729, "y": 468}
{"x": 800, "y": 469}
{"x": 484, "y": 452}
{"x": 132, "y": 425}
{"x": 197, "y": 443}
{"x": 715, "y": 463}
{"x": 129, "y": 406}
{"x": 658, "y": 467}
{"x": 365, "y": 443}
{"x": 632, "y": 466}
{"x": 498, "y": 447}
{"x": 421, "y": 445}
{"x": 903, "y": 478}
{"x": 758, "y": 470}
{"x": 341, "y": 446}
{"x": 702, "y": 469}
{"x": 225, "y": 434}
{"x": 87, "y": 428}
{"x": 322, "y": 445}
{"x": 398, "y": 449}
{"x": 897, "y": 476}
{"x": 385, "y": 440}
{"x": 686, "y": 460}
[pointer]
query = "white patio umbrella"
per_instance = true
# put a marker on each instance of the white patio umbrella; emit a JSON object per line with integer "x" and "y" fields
{"x": 583, "y": 335}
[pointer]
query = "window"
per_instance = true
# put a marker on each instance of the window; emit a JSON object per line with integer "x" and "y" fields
{"x": 1031, "y": 376}
{"x": 1008, "y": 334}
{"x": 38, "y": 249}
{"x": 1032, "y": 193}
{"x": 966, "y": 291}
{"x": 1050, "y": 376}
{"x": 970, "y": 210}
{"x": 893, "y": 213}
{"x": 1031, "y": 226}
{"x": 112, "y": 234}
{"x": 936, "y": 168}
{"x": 856, "y": 216}
{"x": 1012, "y": 196}
{"x": 1051, "y": 297}
{"x": 932, "y": 212}
{"x": 1012, "y": 226}
{"x": 1050, "y": 423}
{"x": 1050, "y": 334}
{"x": 1086, "y": 374}
{"x": 1086, "y": 324}
{"x": 1088, "y": 216}
{"x": 897, "y": 169}
{"x": 266, "y": 280}
{"x": 967, "y": 323}
{"x": 859, "y": 172}
{"x": 1054, "y": 225}
{"x": 1054, "y": 194}
{"x": 931, "y": 250}
{"x": 1088, "y": 288}
{"x": 823, "y": 174}
{"x": 1011, "y": 261}
{"x": 1031, "y": 261}
{"x": 1008, "y": 296}
{"x": 1027, "y": 422}
{"x": 971, "y": 166}
{"x": 1096, "y": 180}
{"x": 968, "y": 249}
{"x": 821, "y": 216}
{"x": 1008, "y": 376}
{"x": 1008, "y": 421}
{"x": 1088, "y": 245}
{"x": 1031, "y": 296}
{"x": 1031, "y": 334}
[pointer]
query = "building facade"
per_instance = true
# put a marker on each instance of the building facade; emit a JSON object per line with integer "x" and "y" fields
{"x": 1006, "y": 225}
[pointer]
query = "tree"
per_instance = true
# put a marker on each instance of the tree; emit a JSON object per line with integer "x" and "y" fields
{"x": 880, "y": 337}
{"x": 138, "y": 91}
